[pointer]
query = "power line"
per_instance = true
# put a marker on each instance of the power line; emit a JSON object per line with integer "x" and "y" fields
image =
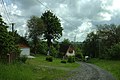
{"x": 53, "y": 11}
{"x": 59, "y": 16}
{"x": 6, "y": 11}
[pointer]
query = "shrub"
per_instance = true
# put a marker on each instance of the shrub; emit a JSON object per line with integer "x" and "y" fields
{"x": 53, "y": 51}
{"x": 71, "y": 59}
{"x": 23, "y": 58}
{"x": 42, "y": 48}
{"x": 114, "y": 52}
{"x": 63, "y": 61}
{"x": 49, "y": 58}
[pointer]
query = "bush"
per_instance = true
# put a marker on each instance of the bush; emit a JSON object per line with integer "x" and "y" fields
{"x": 78, "y": 53}
{"x": 49, "y": 58}
{"x": 53, "y": 51}
{"x": 42, "y": 48}
{"x": 63, "y": 61}
{"x": 23, "y": 58}
{"x": 114, "y": 52}
{"x": 71, "y": 59}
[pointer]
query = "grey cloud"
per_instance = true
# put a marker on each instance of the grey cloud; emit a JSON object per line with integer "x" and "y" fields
{"x": 74, "y": 12}
{"x": 24, "y": 4}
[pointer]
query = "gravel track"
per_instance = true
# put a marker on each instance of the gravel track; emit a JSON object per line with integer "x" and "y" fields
{"x": 88, "y": 71}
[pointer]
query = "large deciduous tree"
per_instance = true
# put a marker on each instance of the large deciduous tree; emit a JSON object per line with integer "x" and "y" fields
{"x": 35, "y": 28}
{"x": 53, "y": 29}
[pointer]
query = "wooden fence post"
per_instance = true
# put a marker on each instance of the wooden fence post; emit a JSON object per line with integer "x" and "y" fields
{"x": 8, "y": 58}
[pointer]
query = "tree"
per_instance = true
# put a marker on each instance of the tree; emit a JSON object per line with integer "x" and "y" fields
{"x": 66, "y": 42}
{"x": 35, "y": 28}
{"x": 7, "y": 44}
{"x": 53, "y": 29}
{"x": 100, "y": 44}
{"x": 114, "y": 52}
{"x": 90, "y": 45}
{"x": 18, "y": 39}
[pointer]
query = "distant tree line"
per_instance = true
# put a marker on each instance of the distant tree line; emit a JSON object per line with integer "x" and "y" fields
{"x": 104, "y": 43}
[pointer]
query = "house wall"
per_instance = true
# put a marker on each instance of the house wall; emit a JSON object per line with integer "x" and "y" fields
{"x": 25, "y": 51}
{"x": 70, "y": 54}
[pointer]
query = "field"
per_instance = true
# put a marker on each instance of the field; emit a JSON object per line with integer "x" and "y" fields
{"x": 112, "y": 66}
{"x": 36, "y": 69}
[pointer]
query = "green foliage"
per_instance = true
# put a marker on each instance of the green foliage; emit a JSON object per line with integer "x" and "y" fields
{"x": 78, "y": 53}
{"x": 66, "y": 42}
{"x": 71, "y": 59}
{"x": 36, "y": 29}
{"x": 48, "y": 25}
{"x": 53, "y": 29}
{"x": 49, "y": 58}
{"x": 23, "y": 58}
{"x": 36, "y": 69}
{"x": 42, "y": 48}
{"x": 63, "y": 61}
{"x": 114, "y": 52}
{"x": 16, "y": 72}
{"x": 98, "y": 44}
{"x": 53, "y": 51}
{"x": 52, "y": 25}
{"x": 17, "y": 38}
{"x": 7, "y": 44}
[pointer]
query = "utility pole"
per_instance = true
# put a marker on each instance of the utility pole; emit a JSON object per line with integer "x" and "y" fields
{"x": 99, "y": 41}
{"x": 75, "y": 39}
{"x": 12, "y": 26}
{"x": 9, "y": 54}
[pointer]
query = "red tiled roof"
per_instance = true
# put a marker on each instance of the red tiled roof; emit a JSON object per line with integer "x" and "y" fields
{"x": 23, "y": 46}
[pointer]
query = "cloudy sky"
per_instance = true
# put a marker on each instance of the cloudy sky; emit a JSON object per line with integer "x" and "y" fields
{"x": 78, "y": 17}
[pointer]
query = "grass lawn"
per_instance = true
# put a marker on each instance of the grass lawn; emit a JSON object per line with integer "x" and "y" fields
{"x": 112, "y": 66}
{"x": 36, "y": 69}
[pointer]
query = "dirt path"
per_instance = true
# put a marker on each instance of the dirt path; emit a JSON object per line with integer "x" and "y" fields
{"x": 88, "y": 71}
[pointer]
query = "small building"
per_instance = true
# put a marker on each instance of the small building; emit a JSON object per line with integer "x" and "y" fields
{"x": 25, "y": 50}
{"x": 70, "y": 51}
{"x": 67, "y": 50}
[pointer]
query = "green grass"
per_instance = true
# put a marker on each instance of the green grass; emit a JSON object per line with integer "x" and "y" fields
{"x": 110, "y": 65}
{"x": 15, "y": 72}
{"x": 36, "y": 69}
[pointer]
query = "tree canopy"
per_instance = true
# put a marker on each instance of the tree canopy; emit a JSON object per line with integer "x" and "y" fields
{"x": 100, "y": 44}
{"x": 53, "y": 29}
{"x": 35, "y": 29}
{"x": 7, "y": 44}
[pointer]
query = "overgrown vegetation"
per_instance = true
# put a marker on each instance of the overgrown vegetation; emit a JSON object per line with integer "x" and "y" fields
{"x": 104, "y": 43}
{"x": 49, "y": 58}
{"x": 71, "y": 59}
{"x": 7, "y": 44}
{"x": 63, "y": 61}
{"x": 23, "y": 59}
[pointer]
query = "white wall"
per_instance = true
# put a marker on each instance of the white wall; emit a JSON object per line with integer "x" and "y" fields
{"x": 70, "y": 54}
{"x": 25, "y": 51}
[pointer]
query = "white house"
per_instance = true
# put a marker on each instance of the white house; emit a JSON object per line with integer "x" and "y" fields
{"x": 70, "y": 51}
{"x": 25, "y": 50}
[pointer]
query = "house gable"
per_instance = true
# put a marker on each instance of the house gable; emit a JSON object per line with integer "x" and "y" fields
{"x": 70, "y": 51}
